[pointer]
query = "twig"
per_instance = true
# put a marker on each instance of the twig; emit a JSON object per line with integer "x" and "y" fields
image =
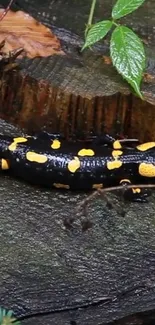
{"x": 6, "y": 10}
{"x": 112, "y": 189}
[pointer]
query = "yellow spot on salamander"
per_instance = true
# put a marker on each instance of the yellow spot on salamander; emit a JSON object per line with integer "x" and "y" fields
{"x": 58, "y": 185}
{"x": 74, "y": 164}
{"x": 55, "y": 144}
{"x": 13, "y": 145}
{"x": 86, "y": 152}
{"x": 35, "y": 157}
{"x": 114, "y": 164}
{"x": 116, "y": 153}
{"x": 97, "y": 186}
{"x": 117, "y": 145}
{"x": 4, "y": 164}
{"x": 147, "y": 170}
{"x": 125, "y": 180}
{"x": 146, "y": 146}
{"x": 19, "y": 140}
{"x": 136, "y": 190}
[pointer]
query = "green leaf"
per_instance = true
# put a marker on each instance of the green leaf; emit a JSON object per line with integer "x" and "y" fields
{"x": 97, "y": 32}
{"x": 128, "y": 56}
{"x": 6, "y": 317}
{"x": 125, "y": 7}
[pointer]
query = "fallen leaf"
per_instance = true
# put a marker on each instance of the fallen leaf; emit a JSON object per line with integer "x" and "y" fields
{"x": 19, "y": 29}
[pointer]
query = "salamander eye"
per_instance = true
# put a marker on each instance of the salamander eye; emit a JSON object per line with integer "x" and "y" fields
{"x": 125, "y": 181}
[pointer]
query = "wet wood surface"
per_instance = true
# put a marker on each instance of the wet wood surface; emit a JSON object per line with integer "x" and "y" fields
{"x": 61, "y": 264}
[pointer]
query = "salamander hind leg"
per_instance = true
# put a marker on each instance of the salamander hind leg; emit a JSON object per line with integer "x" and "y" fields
{"x": 108, "y": 140}
{"x": 134, "y": 194}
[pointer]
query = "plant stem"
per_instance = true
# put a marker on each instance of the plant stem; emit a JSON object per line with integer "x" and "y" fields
{"x": 91, "y": 12}
{"x": 90, "y": 18}
{"x": 114, "y": 23}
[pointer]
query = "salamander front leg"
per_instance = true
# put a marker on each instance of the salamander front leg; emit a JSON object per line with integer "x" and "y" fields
{"x": 108, "y": 140}
{"x": 45, "y": 136}
{"x": 134, "y": 194}
{"x": 101, "y": 140}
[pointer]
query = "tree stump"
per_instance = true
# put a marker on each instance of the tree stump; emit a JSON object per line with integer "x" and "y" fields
{"x": 79, "y": 92}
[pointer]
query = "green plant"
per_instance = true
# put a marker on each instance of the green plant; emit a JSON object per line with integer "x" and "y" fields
{"x": 6, "y": 317}
{"x": 126, "y": 48}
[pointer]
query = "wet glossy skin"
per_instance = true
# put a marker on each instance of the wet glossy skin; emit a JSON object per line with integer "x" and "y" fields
{"x": 52, "y": 162}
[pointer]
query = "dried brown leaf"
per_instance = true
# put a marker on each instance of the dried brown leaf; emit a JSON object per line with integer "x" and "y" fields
{"x": 19, "y": 29}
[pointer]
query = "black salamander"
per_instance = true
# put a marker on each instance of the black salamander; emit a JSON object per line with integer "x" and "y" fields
{"x": 53, "y": 162}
